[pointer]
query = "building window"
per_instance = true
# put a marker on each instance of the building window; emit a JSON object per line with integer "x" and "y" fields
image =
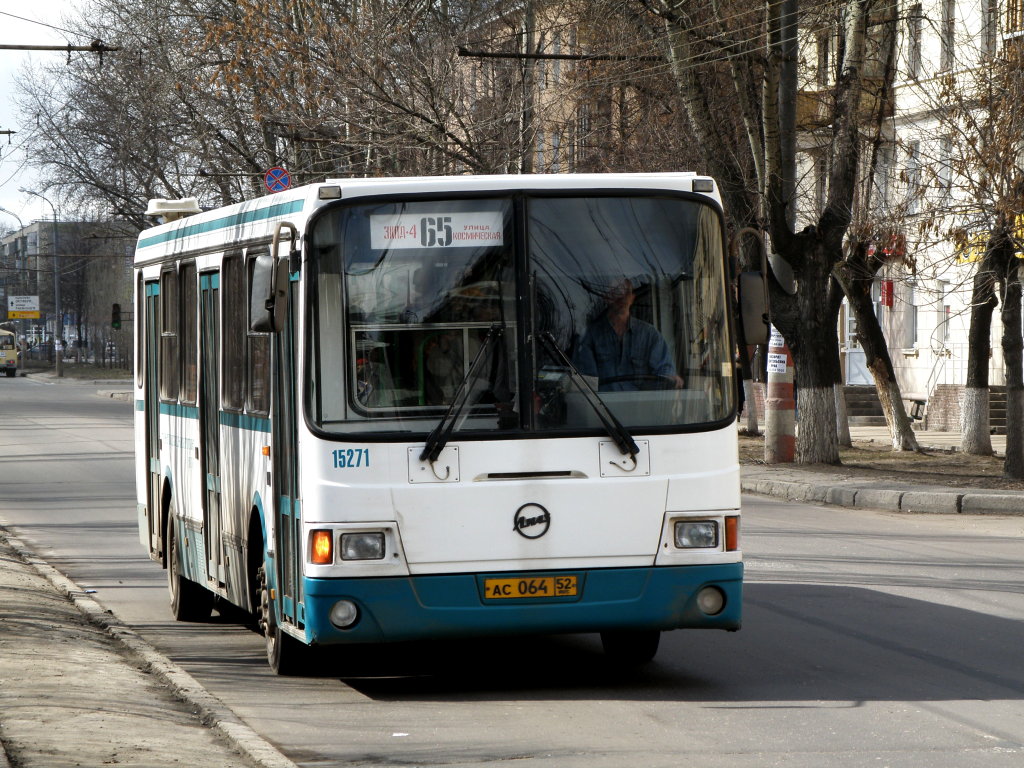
{"x": 821, "y": 181}
{"x": 944, "y": 171}
{"x": 556, "y": 65}
{"x": 883, "y": 174}
{"x": 910, "y": 317}
{"x": 948, "y": 32}
{"x": 945, "y": 310}
{"x": 824, "y": 56}
{"x": 1014, "y": 15}
{"x": 914, "y": 42}
{"x": 990, "y": 26}
{"x": 913, "y": 175}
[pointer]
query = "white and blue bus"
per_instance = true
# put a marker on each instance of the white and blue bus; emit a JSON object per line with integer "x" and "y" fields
{"x": 378, "y": 410}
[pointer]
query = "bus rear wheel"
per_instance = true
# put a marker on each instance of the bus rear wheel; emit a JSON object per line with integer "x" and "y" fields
{"x": 189, "y": 601}
{"x": 631, "y": 647}
{"x": 286, "y": 655}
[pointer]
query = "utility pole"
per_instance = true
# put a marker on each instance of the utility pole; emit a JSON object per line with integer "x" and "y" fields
{"x": 527, "y": 133}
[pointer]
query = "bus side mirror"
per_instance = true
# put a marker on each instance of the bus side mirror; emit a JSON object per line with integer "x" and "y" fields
{"x": 753, "y": 301}
{"x": 269, "y": 298}
{"x": 268, "y": 301}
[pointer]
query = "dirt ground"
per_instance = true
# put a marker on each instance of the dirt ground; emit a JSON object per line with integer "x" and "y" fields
{"x": 931, "y": 467}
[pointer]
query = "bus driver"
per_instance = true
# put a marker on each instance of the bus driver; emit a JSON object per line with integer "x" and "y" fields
{"x": 622, "y": 351}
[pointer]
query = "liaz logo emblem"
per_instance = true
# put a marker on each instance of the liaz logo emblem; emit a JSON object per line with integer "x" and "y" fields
{"x": 531, "y": 521}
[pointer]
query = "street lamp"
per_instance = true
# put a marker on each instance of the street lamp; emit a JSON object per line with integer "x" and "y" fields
{"x": 21, "y": 225}
{"x": 58, "y": 327}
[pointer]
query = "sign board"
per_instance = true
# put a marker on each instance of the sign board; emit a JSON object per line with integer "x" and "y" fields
{"x": 277, "y": 179}
{"x": 776, "y": 363}
{"x": 23, "y": 307}
{"x": 444, "y": 229}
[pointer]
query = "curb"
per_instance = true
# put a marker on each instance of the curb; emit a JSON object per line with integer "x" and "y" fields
{"x": 921, "y": 500}
{"x": 212, "y": 712}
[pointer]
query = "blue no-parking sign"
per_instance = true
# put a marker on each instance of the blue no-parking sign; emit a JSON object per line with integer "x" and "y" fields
{"x": 277, "y": 179}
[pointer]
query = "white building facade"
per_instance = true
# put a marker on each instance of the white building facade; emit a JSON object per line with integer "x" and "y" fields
{"x": 922, "y": 199}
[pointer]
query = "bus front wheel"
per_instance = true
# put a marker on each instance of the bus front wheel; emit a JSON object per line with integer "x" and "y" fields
{"x": 286, "y": 655}
{"x": 189, "y": 601}
{"x": 631, "y": 647}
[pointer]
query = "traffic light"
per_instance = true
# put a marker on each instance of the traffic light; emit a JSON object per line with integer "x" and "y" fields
{"x": 115, "y": 317}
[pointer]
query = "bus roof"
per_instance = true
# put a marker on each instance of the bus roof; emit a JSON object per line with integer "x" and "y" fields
{"x": 256, "y": 218}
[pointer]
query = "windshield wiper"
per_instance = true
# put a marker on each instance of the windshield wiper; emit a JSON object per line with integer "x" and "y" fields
{"x": 440, "y": 435}
{"x": 625, "y": 442}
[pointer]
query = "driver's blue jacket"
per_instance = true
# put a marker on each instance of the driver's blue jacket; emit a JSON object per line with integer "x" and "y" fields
{"x": 640, "y": 351}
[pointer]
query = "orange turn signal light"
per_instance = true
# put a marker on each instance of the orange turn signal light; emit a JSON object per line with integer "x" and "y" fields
{"x": 321, "y": 551}
{"x": 732, "y": 534}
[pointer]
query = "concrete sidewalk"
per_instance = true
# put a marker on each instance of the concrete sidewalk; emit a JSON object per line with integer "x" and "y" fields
{"x": 819, "y": 486}
{"x": 77, "y": 688}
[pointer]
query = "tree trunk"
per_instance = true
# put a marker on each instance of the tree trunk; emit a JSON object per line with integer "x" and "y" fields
{"x": 842, "y": 418}
{"x": 815, "y": 362}
{"x": 1013, "y": 467}
{"x": 856, "y": 275}
{"x": 975, "y": 437}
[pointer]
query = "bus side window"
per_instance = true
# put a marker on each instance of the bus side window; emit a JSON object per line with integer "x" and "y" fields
{"x": 257, "y": 360}
{"x": 169, "y": 373}
{"x": 189, "y": 333}
{"x": 235, "y": 324}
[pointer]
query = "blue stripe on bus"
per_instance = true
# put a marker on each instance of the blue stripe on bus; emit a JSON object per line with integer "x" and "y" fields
{"x": 245, "y": 217}
{"x": 238, "y": 420}
{"x": 424, "y": 607}
{"x": 245, "y": 421}
{"x": 184, "y": 411}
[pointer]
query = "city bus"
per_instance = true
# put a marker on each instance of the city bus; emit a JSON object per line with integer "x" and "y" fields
{"x": 8, "y": 353}
{"x": 384, "y": 410}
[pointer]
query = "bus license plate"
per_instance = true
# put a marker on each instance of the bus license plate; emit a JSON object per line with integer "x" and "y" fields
{"x": 527, "y": 587}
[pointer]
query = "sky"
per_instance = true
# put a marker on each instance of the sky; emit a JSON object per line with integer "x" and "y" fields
{"x": 24, "y": 23}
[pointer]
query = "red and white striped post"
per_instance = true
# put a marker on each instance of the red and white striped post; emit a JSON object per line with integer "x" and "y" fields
{"x": 779, "y": 404}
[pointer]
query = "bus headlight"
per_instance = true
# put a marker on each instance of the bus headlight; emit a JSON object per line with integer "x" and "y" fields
{"x": 362, "y": 546}
{"x": 696, "y": 534}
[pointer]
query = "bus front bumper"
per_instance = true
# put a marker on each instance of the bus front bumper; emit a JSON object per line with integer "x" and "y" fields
{"x": 423, "y": 607}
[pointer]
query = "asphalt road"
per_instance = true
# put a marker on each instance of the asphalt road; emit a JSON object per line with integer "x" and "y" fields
{"x": 869, "y": 639}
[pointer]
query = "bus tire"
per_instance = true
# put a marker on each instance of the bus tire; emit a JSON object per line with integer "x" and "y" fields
{"x": 189, "y": 601}
{"x": 286, "y": 655}
{"x": 631, "y": 647}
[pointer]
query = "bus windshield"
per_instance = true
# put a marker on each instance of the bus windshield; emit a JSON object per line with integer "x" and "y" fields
{"x": 624, "y": 295}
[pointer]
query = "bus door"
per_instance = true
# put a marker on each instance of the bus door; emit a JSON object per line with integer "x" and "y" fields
{"x": 286, "y": 463}
{"x": 151, "y": 415}
{"x": 209, "y": 420}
